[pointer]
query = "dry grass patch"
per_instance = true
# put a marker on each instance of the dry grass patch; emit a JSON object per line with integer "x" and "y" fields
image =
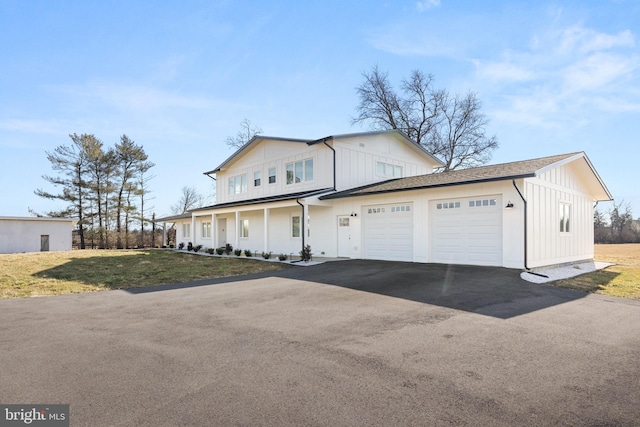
{"x": 57, "y": 273}
{"x": 621, "y": 279}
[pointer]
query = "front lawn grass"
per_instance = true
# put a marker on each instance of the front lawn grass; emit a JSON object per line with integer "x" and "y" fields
{"x": 620, "y": 280}
{"x": 57, "y": 273}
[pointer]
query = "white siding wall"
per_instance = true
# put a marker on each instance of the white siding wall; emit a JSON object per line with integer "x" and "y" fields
{"x": 180, "y": 237}
{"x": 547, "y": 245}
{"x": 357, "y": 158}
{"x": 23, "y": 235}
{"x": 276, "y": 154}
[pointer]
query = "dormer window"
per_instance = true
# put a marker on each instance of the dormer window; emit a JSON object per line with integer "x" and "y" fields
{"x": 300, "y": 171}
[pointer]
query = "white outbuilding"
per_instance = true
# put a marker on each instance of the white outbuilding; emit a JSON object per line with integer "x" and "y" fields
{"x": 35, "y": 234}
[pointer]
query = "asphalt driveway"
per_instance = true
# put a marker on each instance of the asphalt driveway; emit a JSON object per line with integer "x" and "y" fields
{"x": 344, "y": 343}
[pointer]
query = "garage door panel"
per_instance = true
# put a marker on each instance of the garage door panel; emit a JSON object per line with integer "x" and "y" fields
{"x": 388, "y": 232}
{"x": 468, "y": 231}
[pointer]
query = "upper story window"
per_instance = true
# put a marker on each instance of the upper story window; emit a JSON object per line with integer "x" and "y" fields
{"x": 272, "y": 175}
{"x": 300, "y": 171}
{"x": 388, "y": 170}
{"x": 238, "y": 184}
{"x": 565, "y": 217}
{"x": 257, "y": 178}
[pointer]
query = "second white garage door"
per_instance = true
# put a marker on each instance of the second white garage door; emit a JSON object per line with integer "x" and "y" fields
{"x": 467, "y": 231}
{"x": 388, "y": 232}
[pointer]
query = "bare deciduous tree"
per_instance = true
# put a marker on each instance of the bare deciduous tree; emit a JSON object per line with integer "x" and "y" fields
{"x": 244, "y": 135}
{"x": 190, "y": 199}
{"x": 451, "y": 127}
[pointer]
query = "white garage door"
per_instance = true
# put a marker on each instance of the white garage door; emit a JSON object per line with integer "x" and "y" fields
{"x": 388, "y": 232}
{"x": 467, "y": 231}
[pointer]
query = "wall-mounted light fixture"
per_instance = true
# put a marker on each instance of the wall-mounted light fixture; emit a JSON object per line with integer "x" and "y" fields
{"x": 509, "y": 205}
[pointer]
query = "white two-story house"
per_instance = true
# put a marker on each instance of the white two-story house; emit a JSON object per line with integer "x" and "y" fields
{"x": 375, "y": 195}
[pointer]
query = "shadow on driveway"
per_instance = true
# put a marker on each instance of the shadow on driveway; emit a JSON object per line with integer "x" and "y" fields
{"x": 492, "y": 291}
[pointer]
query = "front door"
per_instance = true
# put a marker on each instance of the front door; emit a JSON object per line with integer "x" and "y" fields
{"x": 222, "y": 232}
{"x": 344, "y": 236}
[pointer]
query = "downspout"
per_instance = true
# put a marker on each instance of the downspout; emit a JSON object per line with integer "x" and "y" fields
{"x": 334, "y": 162}
{"x": 526, "y": 267}
{"x": 302, "y": 220}
{"x": 525, "y": 223}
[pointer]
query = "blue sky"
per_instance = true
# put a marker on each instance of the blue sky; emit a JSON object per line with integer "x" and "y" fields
{"x": 178, "y": 77}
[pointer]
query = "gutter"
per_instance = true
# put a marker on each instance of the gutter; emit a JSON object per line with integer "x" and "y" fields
{"x": 526, "y": 267}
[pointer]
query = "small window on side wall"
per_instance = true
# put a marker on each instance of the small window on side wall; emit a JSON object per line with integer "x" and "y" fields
{"x": 565, "y": 218}
{"x": 244, "y": 229}
{"x": 295, "y": 226}
{"x": 272, "y": 175}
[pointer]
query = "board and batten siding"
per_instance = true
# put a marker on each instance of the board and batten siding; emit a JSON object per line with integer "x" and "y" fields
{"x": 357, "y": 158}
{"x": 547, "y": 244}
{"x": 275, "y": 154}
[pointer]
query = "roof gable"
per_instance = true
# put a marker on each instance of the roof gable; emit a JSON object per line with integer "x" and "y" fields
{"x": 259, "y": 139}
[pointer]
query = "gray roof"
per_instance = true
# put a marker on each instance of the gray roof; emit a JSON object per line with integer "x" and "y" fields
{"x": 275, "y": 198}
{"x": 499, "y": 172}
{"x": 172, "y": 218}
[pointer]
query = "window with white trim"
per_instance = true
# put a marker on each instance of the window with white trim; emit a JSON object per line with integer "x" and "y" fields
{"x": 272, "y": 175}
{"x": 186, "y": 230}
{"x": 295, "y": 226}
{"x": 206, "y": 229}
{"x": 565, "y": 217}
{"x": 257, "y": 178}
{"x": 300, "y": 171}
{"x": 238, "y": 184}
{"x": 244, "y": 228}
{"x": 388, "y": 170}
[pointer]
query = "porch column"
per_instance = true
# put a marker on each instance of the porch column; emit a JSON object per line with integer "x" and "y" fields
{"x": 193, "y": 230}
{"x": 266, "y": 230}
{"x": 237, "y": 233}
{"x": 213, "y": 230}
